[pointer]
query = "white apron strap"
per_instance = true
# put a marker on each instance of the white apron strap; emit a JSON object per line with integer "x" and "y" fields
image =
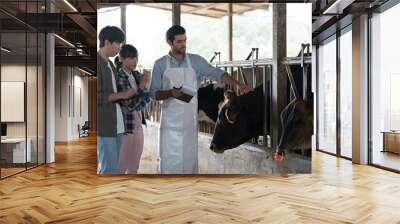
{"x": 189, "y": 63}
{"x": 168, "y": 62}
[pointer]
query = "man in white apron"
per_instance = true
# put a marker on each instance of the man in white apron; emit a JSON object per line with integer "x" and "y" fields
{"x": 178, "y": 126}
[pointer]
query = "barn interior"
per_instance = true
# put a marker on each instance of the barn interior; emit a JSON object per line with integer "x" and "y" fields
{"x": 345, "y": 64}
{"x": 253, "y": 66}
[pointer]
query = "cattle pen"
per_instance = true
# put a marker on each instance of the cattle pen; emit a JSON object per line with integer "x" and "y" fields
{"x": 280, "y": 77}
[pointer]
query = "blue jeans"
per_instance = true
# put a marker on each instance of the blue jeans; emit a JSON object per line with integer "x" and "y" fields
{"x": 108, "y": 149}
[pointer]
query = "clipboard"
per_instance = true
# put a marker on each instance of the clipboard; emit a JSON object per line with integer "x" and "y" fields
{"x": 188, "y": 93}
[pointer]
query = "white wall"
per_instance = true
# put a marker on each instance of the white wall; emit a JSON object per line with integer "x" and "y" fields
{"x": 14, "y": 73}
{"x": 61, "y": 103}
{"x": 33, "y": 126}
{"x": 69, "y": 85}
{"x": 79, "y": 117}
{"x": 17, "y": 73}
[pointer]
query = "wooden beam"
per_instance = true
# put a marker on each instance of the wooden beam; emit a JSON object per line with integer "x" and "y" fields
{"x": 249, "y": 7}
{"x": 86, "y": 26}
{"x": 91, "y": 5}
{"x": 176, "y": 14}
{"x": 230, "y": 32}
{"x": 279, "y": 77}
{"x": 62, "y": 6}
{"x": 201, "y": 8}
{"x": 123, "y": 18}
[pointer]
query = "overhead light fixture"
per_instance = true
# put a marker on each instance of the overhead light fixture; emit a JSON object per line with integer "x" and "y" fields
{"x": 79, "y": 51}
{"x": 86, "y": 72}
{"x": 64, "y": 40}
{"x": 70, "y": 5}
{"x": 5, "y": 50}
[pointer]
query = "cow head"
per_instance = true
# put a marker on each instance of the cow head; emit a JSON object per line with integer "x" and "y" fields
{"x": 297, "y": 126}
{"x": 209, "y": 98}
{"x": 238, "y": 120}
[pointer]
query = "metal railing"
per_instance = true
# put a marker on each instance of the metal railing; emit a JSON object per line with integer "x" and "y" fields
{"x": 238, "y": 68}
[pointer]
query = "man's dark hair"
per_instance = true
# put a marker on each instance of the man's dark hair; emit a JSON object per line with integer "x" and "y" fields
{"x": 173, "y": 31}
{"x": 112, "y": 34}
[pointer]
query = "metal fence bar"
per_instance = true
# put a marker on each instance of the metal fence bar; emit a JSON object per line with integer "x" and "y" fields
{"x": 265, "y": 64}
{"x": 296, "y": 60}
{"x": 292, "y": 82}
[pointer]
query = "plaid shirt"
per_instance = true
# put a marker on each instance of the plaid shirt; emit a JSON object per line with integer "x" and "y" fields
{"x": 136, "y": 103}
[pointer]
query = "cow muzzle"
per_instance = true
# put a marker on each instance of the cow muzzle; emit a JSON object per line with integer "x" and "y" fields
{"x": 214, "y": 148}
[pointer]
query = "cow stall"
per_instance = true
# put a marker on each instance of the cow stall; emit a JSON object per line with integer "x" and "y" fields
{"x": 255, "y": 72}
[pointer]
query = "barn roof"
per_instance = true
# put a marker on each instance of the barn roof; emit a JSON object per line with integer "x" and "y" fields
{"x": 213, "y": 10}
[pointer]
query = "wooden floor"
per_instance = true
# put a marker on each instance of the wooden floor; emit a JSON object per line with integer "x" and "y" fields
{"x": 70, "y": 191}
{"x": 10, "y": 171}
{"x": 5, "y": 172}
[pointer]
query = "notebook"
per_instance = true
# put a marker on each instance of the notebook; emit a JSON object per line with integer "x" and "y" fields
{"x": 188, "y": 93}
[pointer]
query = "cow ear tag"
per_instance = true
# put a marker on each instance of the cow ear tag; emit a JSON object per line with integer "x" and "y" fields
{"x": 279, "y": 156}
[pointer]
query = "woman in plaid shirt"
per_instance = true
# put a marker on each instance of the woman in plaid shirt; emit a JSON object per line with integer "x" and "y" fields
{"x": 127, "y": 78}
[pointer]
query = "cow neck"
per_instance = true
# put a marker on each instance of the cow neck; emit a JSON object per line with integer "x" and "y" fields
{"x": 249, "y": 97}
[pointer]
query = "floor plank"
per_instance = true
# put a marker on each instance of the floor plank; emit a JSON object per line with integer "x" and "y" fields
{"x": 70, "y": 191}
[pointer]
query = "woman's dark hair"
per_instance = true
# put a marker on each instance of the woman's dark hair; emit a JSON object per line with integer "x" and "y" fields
{"x": 127, "y": 51}
{"x": 118, "y": 63}
{"x": 173, "y": 31}
{"x": 112, "y": 34}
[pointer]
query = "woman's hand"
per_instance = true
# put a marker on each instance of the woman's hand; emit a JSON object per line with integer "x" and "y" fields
{"x": 121, "y": 95}
{"x": 127, "y": 94}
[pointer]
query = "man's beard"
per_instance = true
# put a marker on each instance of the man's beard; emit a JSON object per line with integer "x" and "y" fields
{"x": 181, "y": 50}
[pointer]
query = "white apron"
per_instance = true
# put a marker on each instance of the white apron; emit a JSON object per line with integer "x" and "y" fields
{"x": 178, "y": 126}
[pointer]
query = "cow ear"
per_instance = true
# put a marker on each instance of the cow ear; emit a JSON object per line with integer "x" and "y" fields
{"x": 229, "y": 94}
